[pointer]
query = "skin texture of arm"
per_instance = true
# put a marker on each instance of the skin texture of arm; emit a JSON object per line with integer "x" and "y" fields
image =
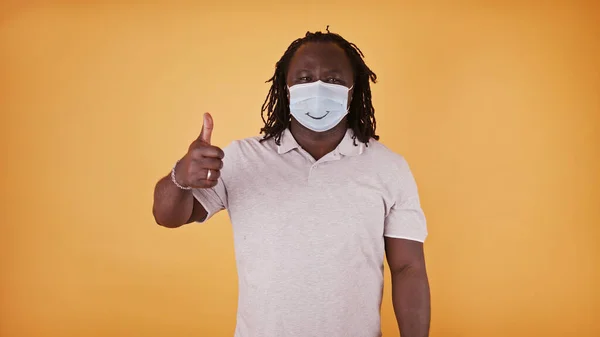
{"x": 174, "y": 207}
{"x": 410, "y": 286}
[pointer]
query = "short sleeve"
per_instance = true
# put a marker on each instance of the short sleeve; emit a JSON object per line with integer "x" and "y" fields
{"x": 214, "y": 199}
{"x": 405, "y": 219}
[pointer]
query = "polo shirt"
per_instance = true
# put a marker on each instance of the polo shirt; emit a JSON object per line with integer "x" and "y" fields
{"x": 309, "y": 234}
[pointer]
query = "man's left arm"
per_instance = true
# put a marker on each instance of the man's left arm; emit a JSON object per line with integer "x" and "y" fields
{"x": 410, "y": 286}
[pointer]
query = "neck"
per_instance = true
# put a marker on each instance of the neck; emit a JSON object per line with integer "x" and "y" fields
{"x": 318, "y": 144}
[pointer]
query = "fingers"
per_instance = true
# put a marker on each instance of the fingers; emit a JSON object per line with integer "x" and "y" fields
{"x": 201, "y": 178}
{"x": 202, "y": 153}
{"x": 207, "y": 128}
{"x": 205, "y": 184}
{"x": 197, "y": 169}
{"x": 206, "y": 163}
{"x": 199, "y": 173}
{"x": 198, "y": 149}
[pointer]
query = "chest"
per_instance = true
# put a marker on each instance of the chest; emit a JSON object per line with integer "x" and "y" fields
{"x": 308, "y": 201}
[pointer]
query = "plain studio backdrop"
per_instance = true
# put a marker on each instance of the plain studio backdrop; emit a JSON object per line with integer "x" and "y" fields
{"x": 495, "y": 105}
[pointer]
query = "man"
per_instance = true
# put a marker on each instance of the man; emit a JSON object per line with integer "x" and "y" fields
{"x": 314, "y": 204}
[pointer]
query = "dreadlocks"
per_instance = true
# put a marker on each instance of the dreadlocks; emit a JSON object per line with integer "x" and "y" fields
{"x": 361, "y": 114}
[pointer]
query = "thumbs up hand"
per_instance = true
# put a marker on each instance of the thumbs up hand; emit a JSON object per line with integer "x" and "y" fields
{"x": 202, "y": 164}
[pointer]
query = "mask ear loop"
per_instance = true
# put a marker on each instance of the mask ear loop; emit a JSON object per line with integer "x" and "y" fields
{"x": 348, "y": 105}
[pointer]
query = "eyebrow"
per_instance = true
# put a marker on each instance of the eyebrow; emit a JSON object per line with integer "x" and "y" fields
{"x": 325, "y": 70}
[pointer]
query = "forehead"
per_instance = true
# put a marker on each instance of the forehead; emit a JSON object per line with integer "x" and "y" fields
{"x": 320, "y": 55}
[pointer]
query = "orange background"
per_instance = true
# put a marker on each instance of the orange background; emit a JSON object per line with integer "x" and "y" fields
{"x": 495, "y": 105}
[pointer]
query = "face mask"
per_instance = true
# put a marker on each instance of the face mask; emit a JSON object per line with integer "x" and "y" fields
{"x": 318, "y": 106}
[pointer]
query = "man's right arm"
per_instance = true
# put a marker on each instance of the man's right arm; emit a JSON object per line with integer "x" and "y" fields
{"x": 199, "y": 168}
{"x": 174, "y": 207}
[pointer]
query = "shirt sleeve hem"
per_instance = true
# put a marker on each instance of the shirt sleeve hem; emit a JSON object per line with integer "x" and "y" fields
{"x": 209, "y": 207}
{"x": 422, "y": 240}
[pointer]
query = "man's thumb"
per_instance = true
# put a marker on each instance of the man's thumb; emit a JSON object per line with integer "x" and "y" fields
{"x": 207, "y": 128}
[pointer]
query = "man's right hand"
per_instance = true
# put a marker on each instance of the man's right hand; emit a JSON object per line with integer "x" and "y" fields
{"x": 193, "y": 169}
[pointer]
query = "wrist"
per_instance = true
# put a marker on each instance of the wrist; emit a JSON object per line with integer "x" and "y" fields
{"x": 174, "y": 180}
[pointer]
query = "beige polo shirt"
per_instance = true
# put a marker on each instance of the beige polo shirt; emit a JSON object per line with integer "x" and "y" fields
{"x": 309, "y": 235}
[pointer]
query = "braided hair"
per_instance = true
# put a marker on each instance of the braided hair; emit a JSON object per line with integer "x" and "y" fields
{"x": 361, "y": 114}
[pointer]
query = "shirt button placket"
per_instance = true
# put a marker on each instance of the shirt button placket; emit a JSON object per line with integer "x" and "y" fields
{"x": 311, "y": 173}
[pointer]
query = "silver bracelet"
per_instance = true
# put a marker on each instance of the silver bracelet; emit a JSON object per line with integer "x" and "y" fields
{"x": 175, "y": 180}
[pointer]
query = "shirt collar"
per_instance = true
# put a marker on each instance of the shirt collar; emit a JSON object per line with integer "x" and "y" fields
{"x": 346, "y": 146}
{"x": 287, "y": 142}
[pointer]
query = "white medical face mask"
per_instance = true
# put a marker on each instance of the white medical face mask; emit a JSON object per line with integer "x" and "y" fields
{"x": 318, "y": 106}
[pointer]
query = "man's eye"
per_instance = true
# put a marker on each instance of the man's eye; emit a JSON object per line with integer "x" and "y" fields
{"x": 304, "y": 79}
{"x": 333, "y": 80}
